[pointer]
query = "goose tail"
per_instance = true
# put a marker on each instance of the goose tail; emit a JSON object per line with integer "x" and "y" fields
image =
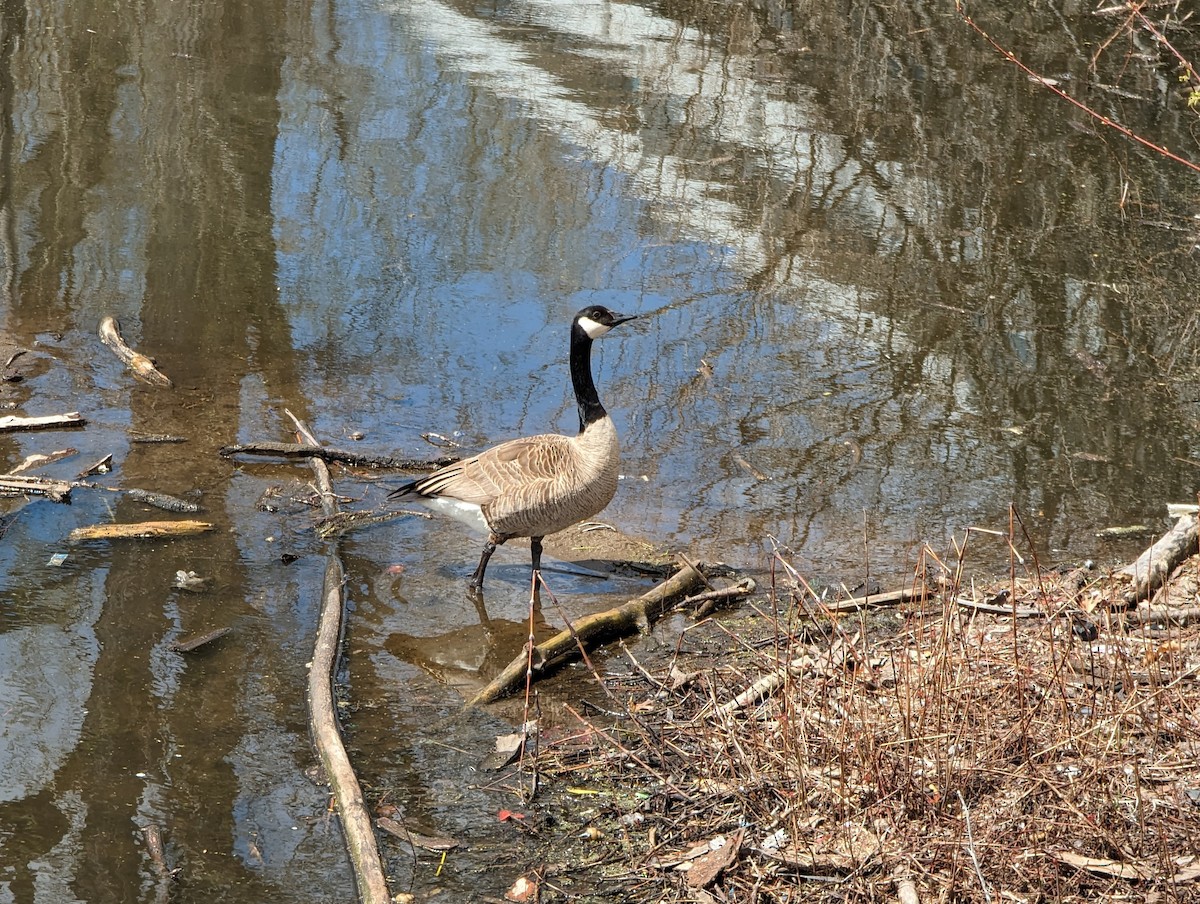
{"x": 407, "y": 489}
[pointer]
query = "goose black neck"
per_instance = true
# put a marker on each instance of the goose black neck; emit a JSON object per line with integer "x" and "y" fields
{"x": 590, "y": 409}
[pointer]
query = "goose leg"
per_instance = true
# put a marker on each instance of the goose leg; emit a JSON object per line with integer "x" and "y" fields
{"x": 535, "y": 550}
{"x": 488, "y": 548}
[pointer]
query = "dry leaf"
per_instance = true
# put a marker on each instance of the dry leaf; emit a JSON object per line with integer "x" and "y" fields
{"x": 705, "y": 869}
{"x": 1106, "y": 867}
{"x": 524, "y": 889}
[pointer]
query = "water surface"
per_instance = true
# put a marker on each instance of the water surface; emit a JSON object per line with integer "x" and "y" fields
{"x": 889, "y": 287}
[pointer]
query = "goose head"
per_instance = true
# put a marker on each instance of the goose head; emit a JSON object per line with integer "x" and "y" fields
{"x": 596, "y": 320}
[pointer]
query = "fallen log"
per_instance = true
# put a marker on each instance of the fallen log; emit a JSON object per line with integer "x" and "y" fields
{"x": 1166, "y": 615}
{"x": 361, "y": 844}
{"x": 1153, "y": 566}
{"x": 14, "y": 422}
{"x": 628, "y": 618}
{"x": 341, "y": 456}
{"x": 142, "y": 366}
{"x": 142, "y": 530}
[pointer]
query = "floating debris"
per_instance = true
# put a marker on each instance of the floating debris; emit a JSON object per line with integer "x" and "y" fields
{"x": 103, "y": 466}
{"x": 190, "y": 581}
{"x": 37, "y": 460}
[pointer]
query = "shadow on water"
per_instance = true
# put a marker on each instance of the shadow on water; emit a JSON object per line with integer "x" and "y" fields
{"x": 890, "y": 288}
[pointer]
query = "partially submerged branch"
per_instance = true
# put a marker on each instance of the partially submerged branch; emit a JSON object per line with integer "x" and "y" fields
{"x": 341, "y": 456}
{"x": 142, "y": 366}
{"x": 628, "y": 618}
{"x": 361, "y": 845}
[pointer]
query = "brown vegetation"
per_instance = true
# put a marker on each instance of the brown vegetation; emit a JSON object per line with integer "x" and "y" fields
{"x": 933, "y": 753}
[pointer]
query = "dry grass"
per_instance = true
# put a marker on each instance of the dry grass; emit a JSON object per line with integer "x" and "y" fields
{"x": 945, "y": 755}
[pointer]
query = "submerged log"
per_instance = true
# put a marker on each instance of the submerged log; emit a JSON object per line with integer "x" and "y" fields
{"x": 1155, "y": 565}
{"x": 341, "y": 456}
{"x": 196, "y": 641}
{"x": 628, "y": 618}
{"x": 142, "y": 366}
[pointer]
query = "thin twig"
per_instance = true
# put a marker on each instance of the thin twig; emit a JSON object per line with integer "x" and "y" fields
{"x": 1049, "y": 85}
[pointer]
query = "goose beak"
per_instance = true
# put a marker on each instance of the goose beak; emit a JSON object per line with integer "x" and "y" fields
{"x": 622, "y": 318}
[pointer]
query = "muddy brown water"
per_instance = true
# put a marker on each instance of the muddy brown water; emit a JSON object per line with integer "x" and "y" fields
{"x": 888, "y": 287}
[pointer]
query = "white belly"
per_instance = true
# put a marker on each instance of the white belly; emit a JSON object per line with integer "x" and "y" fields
{"x": 467, "y": 513}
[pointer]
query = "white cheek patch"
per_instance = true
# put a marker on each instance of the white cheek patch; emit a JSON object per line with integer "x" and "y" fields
{"x": 593, "y": 328}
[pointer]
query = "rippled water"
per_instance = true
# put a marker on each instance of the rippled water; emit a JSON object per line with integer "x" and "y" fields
{"x": 888, "y": 287}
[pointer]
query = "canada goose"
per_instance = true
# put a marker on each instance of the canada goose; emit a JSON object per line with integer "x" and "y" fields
{"x": 536, "y": 485}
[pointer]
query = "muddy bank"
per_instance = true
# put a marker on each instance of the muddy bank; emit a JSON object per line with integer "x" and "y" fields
{"x": 936, "y": 749}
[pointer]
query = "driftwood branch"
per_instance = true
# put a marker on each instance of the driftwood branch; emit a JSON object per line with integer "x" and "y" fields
{"x": 627, "y": 618}
{"x": 708, "y": 602}
{"x": 764, "y": 686}
{"x": 877, "y": 600}
{"x": 341, "y": 456}
{"x": 13, "y": 422}
{"x": 1153, "y": 566}
{"x": 142, "y": 366}
{"x": 142, "y": 530}
{"x": 361, "y": 845}
{"x": 38, "y": 460}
